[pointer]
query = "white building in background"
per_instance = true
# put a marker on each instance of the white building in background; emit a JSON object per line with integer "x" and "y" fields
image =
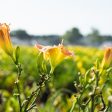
{"x": 18, "y": 41}
{"x": 106, "y": 44}
{"x": 33, "y": 41}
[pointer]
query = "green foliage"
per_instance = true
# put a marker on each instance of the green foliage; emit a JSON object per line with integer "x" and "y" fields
{"x": 61, "y": 94}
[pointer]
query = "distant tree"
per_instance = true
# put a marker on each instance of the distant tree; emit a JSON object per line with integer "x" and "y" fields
{"x": 73, "y": 36}
{"x": 95, "y": 36}
{"x": 20, "y": 33}
{"x": 94, "y": 33}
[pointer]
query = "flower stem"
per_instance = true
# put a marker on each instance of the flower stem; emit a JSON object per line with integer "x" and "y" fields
{"x": 17, "y": 86}
{"x": 30, "y": 98}
{"x": 92, "y": 103}
{"x": 94, "y": 90}
{"x": 33, "y": 96}
{"x": 19, "y": 98}
{"x": 19, "y": 70}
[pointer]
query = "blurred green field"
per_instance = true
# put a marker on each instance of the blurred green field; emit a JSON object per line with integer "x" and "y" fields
{"x": 61, "y": 84}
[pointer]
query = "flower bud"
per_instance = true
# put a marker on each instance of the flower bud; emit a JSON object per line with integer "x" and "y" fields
{"x": 107, "y": 59}
{"x": 5, "y": 42}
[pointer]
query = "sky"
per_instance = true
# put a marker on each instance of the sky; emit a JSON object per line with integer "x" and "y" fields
{"x": 57, "y": 16}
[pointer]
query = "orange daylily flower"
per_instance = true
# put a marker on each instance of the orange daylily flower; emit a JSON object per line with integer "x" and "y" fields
{"x": 5, "y": 42}
{"x": 54, "y": 54}
{"x": 107, "y": 59}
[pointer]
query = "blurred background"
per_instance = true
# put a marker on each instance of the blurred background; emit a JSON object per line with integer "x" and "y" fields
{"x": 84, "y": 25}
{"x": 78, "y": 22}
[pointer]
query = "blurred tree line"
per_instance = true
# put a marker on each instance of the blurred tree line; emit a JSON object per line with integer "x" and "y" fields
{"x": 72, "y": 36}
{"x": 22, "y": 34}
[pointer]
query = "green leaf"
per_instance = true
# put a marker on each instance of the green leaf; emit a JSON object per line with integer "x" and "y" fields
{"x": 87, "y": 75}
{"x": 17, "y": 53}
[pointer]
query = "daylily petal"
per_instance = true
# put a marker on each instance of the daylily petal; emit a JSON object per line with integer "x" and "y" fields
{"x": 66, "y": 52}
{"x": 54, "y": 54}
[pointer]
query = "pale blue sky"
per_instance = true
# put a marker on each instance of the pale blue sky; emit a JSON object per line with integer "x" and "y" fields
{"x": 57, "y": 16}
